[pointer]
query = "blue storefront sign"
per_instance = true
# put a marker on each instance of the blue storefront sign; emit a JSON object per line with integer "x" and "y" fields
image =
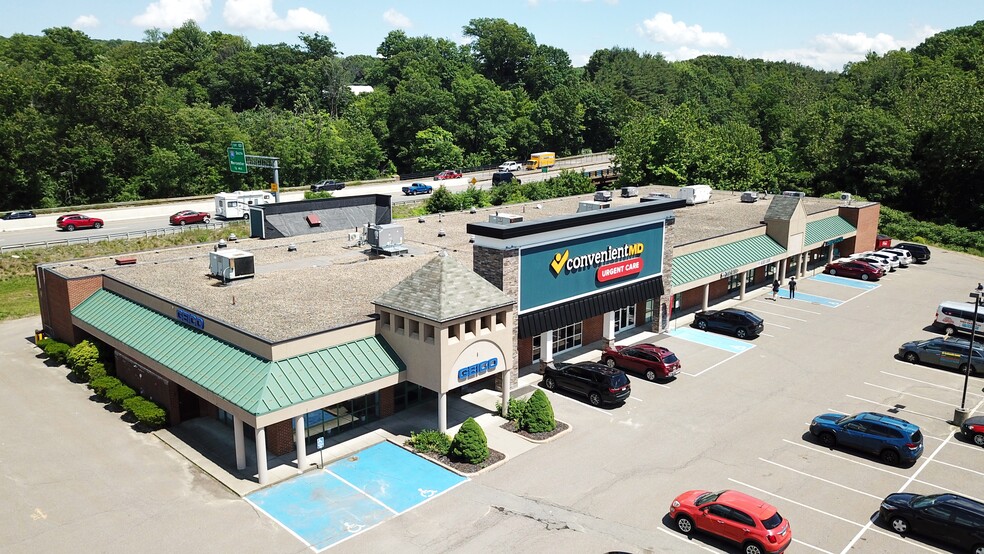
{"x": 567, "y": 269}
{"x": 190, "y": 319}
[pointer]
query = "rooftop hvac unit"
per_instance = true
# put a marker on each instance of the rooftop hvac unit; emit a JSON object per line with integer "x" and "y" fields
{"x": 387, "y": 238}
{"x": 590, "y": 206}
{"x": 231, "y": 264}
{"x": 603, "y": 196}
{"x": 846, "y": 197}
{"x": 505, "y": 219}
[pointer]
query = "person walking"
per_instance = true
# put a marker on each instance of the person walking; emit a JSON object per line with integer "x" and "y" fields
{"x": 792, "y": 287}
{"x": 775, "y": 290}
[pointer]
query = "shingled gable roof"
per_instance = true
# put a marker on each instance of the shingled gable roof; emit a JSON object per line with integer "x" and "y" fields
{"x": 443, "y": 290}
{"x": 782, "y": 208}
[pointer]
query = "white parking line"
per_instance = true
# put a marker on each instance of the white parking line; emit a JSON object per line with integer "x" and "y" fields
{"x": 582, "y": 404}
{"x": 927, "y": 382}
{"x": 903, "y": 393}
{"x": 788, "y": 307}
{"x": 685, "y": 539}
{"x": 774, "y": 324}
{"x": 906, "y": 410}
{"x": 958, "y": 443}
{"x": 808, "y": 545}
{"x": 822, "y": 479}
{"x": 780, "y": 315}
{"x": 699, "y": 373}
{"x": 636, "y": 399}
{"x": 959, "y": 467}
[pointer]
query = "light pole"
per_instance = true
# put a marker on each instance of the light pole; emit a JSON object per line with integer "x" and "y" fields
{"x": 960, "y": 414}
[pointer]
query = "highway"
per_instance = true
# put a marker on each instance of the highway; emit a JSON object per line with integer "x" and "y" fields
{"x": 138, "y": 219}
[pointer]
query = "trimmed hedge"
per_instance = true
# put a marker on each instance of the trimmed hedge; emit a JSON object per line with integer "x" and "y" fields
{"x": 81, "y": 357}
{"x": 145, "y": 411}
{"x": 101, "y": 385}
{"x": 119, "y": 393}
{"x": 470, "y": 443}
{"x": 429, "y": 440}
{"x": 96, "y": 371}
{"x": 57, "y": 351}
{"x": 516, "y": 408}
{"x": 539, "y": 415}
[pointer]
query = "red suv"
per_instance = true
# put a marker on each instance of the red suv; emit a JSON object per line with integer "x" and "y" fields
{"x": 855, "y": 268}
{"x": 72, "y": 222}
{"x": 655, "y": 362}
{"x": 447, "y": 174}
{"x": 734, "y": 516}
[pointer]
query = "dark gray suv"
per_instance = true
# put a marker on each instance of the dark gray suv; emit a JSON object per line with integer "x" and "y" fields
{"x": 327, "y": 184}
{"x": 599, "y": 383}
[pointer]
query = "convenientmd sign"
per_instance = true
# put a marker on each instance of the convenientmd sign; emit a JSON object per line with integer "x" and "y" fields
{"x": 559, "y": 271}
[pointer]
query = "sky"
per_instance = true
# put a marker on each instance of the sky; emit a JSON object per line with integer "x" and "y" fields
{"x": 821, "y": 34}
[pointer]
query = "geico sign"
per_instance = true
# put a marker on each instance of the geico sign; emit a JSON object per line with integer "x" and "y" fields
{"x": 563, "y": 260}
{"x": 191, "y": 319}
{"x": 475, "y": 370}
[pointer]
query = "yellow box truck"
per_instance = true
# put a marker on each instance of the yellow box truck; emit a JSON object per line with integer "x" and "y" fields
{"x": 541, "y": 160}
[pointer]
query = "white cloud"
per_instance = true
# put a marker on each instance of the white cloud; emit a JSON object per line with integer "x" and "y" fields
{"x": 259, "y": 14}
{"x": 396, "y": 19}
{"x": 833, "y": 51}
{"x": 172, "y": 13}
{"x": 85, "y": 22}
{"x": 661, "y": 28}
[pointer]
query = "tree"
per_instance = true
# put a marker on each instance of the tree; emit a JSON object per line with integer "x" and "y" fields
{"x": 469, "y": 443}
{"x": 503, "y": 50}
{"x": 434, "y": 148}
{"x": 538, "y": 416}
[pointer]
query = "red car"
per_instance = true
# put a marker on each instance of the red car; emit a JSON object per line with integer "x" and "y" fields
{"x": 734, "y": 516}
{"x": 855, "y": 268}
{"x": 447, "y": 174}
{"x": 72, "y": 222}
{"x": 185, "y": 217}
{"x": 655, "y": 362}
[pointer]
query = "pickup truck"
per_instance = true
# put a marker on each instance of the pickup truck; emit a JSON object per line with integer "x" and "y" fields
{"x": 418, "y": 188}
{"x": 510, "y": 166}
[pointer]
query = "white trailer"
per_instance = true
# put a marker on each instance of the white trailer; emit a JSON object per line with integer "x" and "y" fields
{"x": 695, "y": 194}
{"x": 235, "y": 205}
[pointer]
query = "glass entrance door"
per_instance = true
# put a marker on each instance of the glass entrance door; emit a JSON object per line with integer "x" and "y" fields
{"x": 625, "y": 318}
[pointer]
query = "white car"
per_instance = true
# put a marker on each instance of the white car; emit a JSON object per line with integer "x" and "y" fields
{"x": 889, "y": 257}
{"x": 905, "y": 257}
{"x": 875, "y": 261}
{"x": 510, "y": 166}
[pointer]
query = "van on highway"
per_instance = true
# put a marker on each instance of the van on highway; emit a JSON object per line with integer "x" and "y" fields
{"x": 541, "y": 160}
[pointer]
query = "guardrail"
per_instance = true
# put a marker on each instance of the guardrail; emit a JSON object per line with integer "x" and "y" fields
{"x": 89, "y": 239}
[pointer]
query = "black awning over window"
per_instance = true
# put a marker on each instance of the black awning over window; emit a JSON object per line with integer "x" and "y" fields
{"x": 568, "y": 313}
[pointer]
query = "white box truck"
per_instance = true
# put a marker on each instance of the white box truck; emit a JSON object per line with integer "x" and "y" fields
{"x": 695, "y": 194}
{"x": 235, "y": 205}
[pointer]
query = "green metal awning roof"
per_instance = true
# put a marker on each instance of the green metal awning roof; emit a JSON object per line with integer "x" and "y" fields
{"x": 256, "y": 385}
{"x": 718, "y": 259}
{"x": 827, "y": 228}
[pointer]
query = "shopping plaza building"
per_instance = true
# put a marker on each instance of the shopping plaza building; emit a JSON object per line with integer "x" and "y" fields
{"x": 332, "y": 315}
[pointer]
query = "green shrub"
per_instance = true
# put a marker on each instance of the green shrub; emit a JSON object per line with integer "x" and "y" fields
{"x": 101, "y": 385}
{"x": 96, "y": 371}
{"x": 81, "y": 357}
{"x": 149, "y": 413}
{"x": 516, "y": 408}
{"x": 119, "y": 393}
{"x": 538, "y": 417}
{"x": 470, "y": 444}
{"x": 57, "y": 351}
{"x": 43, "y": 343}
{"x": 131, "y": 403}
{"x": 429, "y": 440}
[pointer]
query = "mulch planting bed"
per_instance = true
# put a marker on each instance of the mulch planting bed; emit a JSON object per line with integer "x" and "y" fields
{"x": 560, "y": 428}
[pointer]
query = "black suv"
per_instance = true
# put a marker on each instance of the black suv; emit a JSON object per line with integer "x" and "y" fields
{"x": 327, "y": 184}
{"x": 599, "y": 383}
{"x": 19, "y": 215}
{"x": 949, "y": 518}
{"x": 920, "y": 252}
{"x": 740, "y": 323}
{"x": 503, "y": 177}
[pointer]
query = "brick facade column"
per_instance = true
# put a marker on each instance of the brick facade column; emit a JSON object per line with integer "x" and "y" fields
{"x": 387, "y": 401}
{"x": 501, "y": 268}
{"x": 280, "y": 438}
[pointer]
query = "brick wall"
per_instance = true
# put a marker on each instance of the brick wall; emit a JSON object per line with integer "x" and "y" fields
{"x": 149, "y": 385}
{"x": 57, "y": 296}
{"x": 592, "y": 329}
{"x": 501, "y": 268}
{"x": 387, "y": 401}
{"x": 280, "y": 438}
{"x": 525, "y": 352}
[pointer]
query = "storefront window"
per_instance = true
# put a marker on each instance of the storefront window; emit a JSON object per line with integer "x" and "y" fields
{"x": 734, "y": 282}
{"x": 649, "y": 311}
{"x": 564, "y": 338}
{"x": 749, "y": 276}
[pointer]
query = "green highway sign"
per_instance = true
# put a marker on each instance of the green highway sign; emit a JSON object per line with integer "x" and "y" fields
{"x": 237, "y": 160}
{"x": 237, "y": 144}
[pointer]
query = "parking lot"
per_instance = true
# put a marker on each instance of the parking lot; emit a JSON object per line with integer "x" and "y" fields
{"x": 738, "y": 417}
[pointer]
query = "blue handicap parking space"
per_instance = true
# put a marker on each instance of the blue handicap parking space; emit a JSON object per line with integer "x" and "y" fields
{"x": 844, "y": 281}
{"x": 354, "y": 494}
{"x": 812, "y": 298}
{"x": 713, "y": 340}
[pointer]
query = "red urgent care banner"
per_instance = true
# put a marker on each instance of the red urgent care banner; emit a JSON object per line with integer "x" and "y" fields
{"x": 620, "y": 269}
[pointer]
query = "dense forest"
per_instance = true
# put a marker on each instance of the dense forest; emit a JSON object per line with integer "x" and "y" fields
{"x": 87, "y": 121}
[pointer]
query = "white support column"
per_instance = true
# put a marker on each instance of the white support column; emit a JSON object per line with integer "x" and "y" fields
{"x": 442, "y": 411}
{"x": 546, "y": 349}
{"x": 782, "y": 271}
{"x": 261, "y": 455}
{"x": 707, "y": 294}
{"x": 608, "y": 329}
{"x": 804, "y": 260}
{"x": 741, "y": 291}
{"x": 505, "y": 394}
{"x": 300, "y": 436}
{"x": 237, "y": 433}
